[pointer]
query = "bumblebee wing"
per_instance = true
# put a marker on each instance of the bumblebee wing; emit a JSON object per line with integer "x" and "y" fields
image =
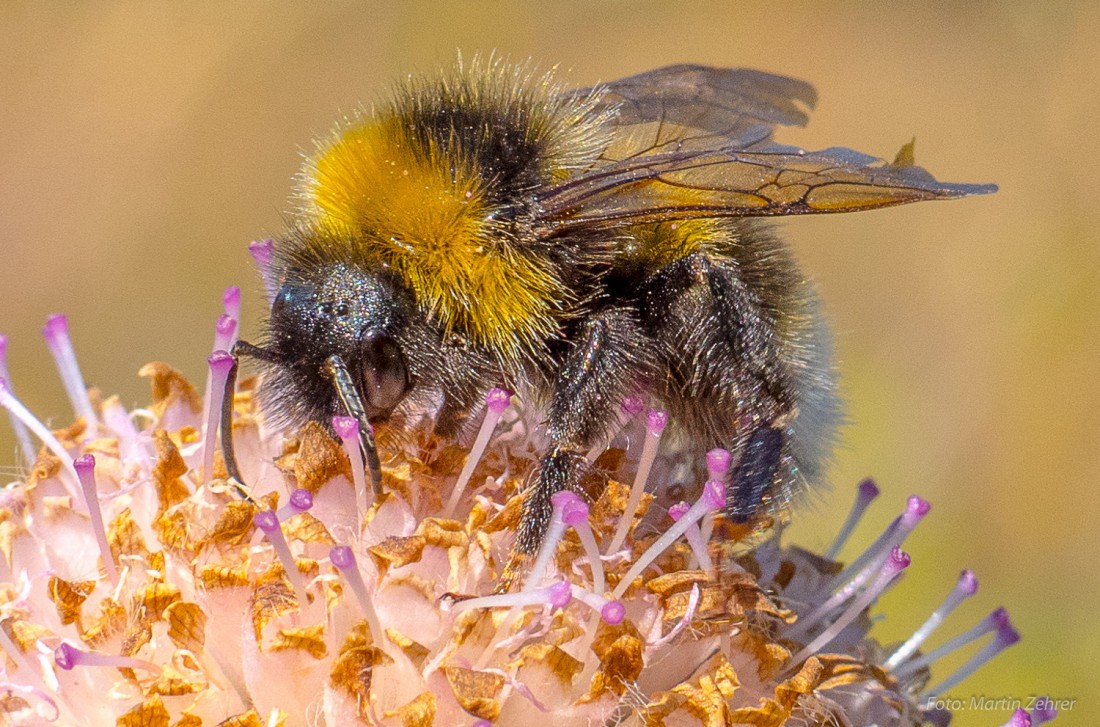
{"x": 693, "y": 142}
{"x": 734, "y": 104}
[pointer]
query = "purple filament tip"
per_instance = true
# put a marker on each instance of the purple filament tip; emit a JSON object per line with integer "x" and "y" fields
{"x": 1007, "y": 635}
{"x": 898, "y": 561}
{"x": 968, "y": 583}
{"x": 85, "y": 473}
{"x": 560, "y": 594}
{"x": 345, "y": 427}
{"x": 718, "y": 463}
{"x": 656, "y": 421}
{"x": 225, "y": 330}
{"x": 1044, "y": 710}
{"x": 262, "y": 251}
{"x": 66, "y": 657}
{"x": 917, "y": 506}
{"x": 713, "y": 497}
{"x": 301, "y": 499}
{"x": 632, "y": 406}
{"x": 56, "y": 328}
{"x": 226, "y": 325}
{"x": 573, "y": 508}
{"x": 678, "y": 510}
{"x": 1019, "y": 718}
{"x": 865, "y": 494}
{"x": 342, "y": 557}
{"x": 550, "y": 541}
{"x": 84, "y": 464}
{"x": 613, "y": 613}
{"x": 231, "y": 302}
{"x": 220, "y": 362}
{"x": 266, "y": 520}
{"x": 498, "y": 399}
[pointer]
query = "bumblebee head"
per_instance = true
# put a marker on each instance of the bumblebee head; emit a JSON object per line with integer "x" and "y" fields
{"x": 339, "y": 311}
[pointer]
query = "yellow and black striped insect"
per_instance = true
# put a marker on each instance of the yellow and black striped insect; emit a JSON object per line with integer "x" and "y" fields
{"x": 485, "y": 228}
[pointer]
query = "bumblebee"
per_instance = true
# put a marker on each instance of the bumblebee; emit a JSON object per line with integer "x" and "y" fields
{"x": 485, "y": 228}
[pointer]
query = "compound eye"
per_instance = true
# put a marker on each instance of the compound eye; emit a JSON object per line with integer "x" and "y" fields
{"x": 385, "y": 377}
{"x": 293, "y": 299}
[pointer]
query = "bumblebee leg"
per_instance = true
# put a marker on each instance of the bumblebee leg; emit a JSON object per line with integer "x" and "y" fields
{"x": 752, "y": 480}
{"x": 353, "y": 403}
{"x": 240, "y": 348}
{"x": 608, "y": 359}
{"x": 729, "y": 382}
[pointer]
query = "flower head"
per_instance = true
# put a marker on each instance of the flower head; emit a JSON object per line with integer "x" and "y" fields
{"x": 139, "y": 588}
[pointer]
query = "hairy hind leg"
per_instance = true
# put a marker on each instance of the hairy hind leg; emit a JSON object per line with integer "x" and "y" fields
{"x": 729, "y": 380}
{"x": 609, "y": 357}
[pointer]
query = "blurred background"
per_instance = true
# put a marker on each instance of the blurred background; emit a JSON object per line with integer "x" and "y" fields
{"x": 143, "y": 145}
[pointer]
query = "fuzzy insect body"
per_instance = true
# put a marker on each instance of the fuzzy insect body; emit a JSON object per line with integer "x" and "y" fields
{"x": 485, "y": 228}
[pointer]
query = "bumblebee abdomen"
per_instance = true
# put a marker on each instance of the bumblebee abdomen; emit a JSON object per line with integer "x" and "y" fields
{"x": 740, "y": 339}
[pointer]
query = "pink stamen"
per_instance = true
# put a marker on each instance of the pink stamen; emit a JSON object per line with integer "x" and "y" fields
{"x": 865, "y": 494}
{"x": 300, "y": 501}
{"x": 895, "y": 563}
{"x": 20, "y": 412}
{"x": 612, "y": 610}
{"x": 496, "y": 401}
{"x": 26, "y": 446}
{"x": 1005, "y": 637}
{"x": 85, "y": 472}
{"x": 549, "y": 545}
{"x": 56, "y": 332}
{"x": 1019, "y": 718}
{"x": 700, "y": 557}
{"x": 556, "y": 595}
{"x": 220, "y": 363}
{"x": 263, "y": 255}
{"x": 655, "y": 423}
{"x": 268, "y": 522}
{"x": 69, "y": 657}
{"x": 867, "y": 564}
{"x": 231, "y": 302}
{"x": 713, "y": 498}
{"x": 966, "y": 586}
{"x": 225, "y": 332}
{"x": 995, "y": 621}
{"x": 347, "y": 429}
{"x": 575, "y": 515}
{"x": 343, "y": 557}
{"x": 1044, "y": 711}
{"x": 719, "y": 462}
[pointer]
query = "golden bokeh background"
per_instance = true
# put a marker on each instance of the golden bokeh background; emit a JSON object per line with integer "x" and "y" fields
{"x": 142, "y": 145}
